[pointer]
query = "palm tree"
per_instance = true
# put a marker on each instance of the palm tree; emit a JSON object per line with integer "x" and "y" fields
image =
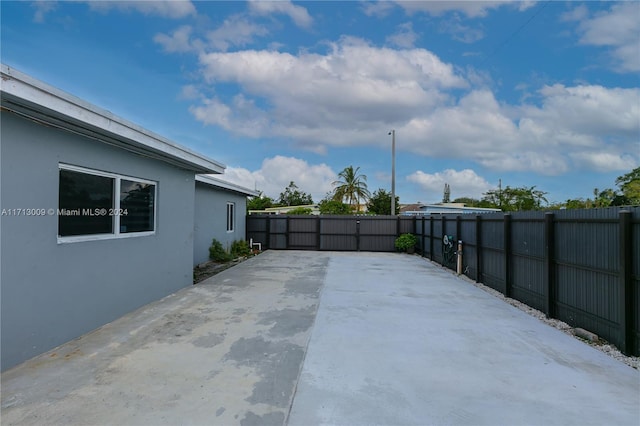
{"x": 352, "y": 187}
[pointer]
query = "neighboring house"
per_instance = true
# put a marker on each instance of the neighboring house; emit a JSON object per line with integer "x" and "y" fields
{"x": 97, "y": 216}
{"x": 286, "y": 209}
{"x": 441, "y": 208}
{"x": 220, "y": 213}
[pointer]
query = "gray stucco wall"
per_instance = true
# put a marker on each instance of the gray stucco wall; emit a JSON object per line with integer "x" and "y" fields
{"x": 211, "y": 219}
{"x": 52, "y": 293}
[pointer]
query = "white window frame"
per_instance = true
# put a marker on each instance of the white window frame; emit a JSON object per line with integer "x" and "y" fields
{"x": 231, "y": 217}
{"x": 116, "y": 234}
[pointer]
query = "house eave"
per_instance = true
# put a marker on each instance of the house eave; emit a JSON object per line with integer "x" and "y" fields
{"x": 33, "y": 99}
{"x": 209, "y": 180}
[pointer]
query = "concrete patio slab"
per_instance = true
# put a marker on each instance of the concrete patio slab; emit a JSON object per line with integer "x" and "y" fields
{"x": 306, "y": 338}
{"x": 400, "y": 341}
{"x": 226, "y": 351}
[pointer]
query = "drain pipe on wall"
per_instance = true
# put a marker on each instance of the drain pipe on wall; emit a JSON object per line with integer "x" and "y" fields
{"x": 252, "y": 245}
{"x": 459, "y": 266}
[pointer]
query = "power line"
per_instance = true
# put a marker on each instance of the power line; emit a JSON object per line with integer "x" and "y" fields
{"x": 517, "y": 31}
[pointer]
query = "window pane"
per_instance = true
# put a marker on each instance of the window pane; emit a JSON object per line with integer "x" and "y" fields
{"x": 81, "y": 198}
{"x": 137, "y": 206}
{"x": 230, "y": 216}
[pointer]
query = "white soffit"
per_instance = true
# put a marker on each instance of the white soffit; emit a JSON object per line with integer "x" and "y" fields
{"x": 32, "y": 98}
{"x": 210, "y": 180}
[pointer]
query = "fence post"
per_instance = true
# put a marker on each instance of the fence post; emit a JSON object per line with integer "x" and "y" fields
{"x": 549, "y": 268}
{"x": 422, "y": 236}
{"x": 444, "y": 232}
{"x": 357, "y": 235}
{"x": 286, "y": 233}
{"x": 431, "y": 238}
{"x": 478, "y": 248}
{"x": 318, "y": 245}
{"x": 268, "y": 242}
{"x": 507, "y": 254}
{"x": 627, "y": 344}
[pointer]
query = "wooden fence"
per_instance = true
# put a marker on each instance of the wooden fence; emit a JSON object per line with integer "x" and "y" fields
{"x": 579, "y": 266}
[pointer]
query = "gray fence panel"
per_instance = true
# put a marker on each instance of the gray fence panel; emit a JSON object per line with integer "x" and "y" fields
{"x": 436, "y": 237}
{"x": 493, "y": 258}
{"x": 406, "y": 225}
{"x": 303, "y": 233}
{"x": 338, "y": 243}
{"x": 277, "y": 225}
{"x": 377, "y": 243}
{"x": 635, "y": 283}
{"x": 527, "y": 281}
{"x": 527, "y": 259}
{"x": 278, "y": 241}
{"x": 469, "y": 249}
{"x": 375, "y": 226}
{"x": 304, "y": 224}
{"x": 256, "y": 229}
{"x": 303, "y": 241}
{"x": 338, "y": 225}
{"x": 587, "y": 257}
{"x": 587, "y": 299}
{"x": 423, "y": 231}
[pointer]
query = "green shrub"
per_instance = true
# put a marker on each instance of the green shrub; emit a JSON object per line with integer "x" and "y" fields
{"x": 406, "y": 242}
{"x": 240, "y": 248}
{"x": 217, "y": 253}
{"x": 300, "y": 211}
{"x": 334, "y": 207}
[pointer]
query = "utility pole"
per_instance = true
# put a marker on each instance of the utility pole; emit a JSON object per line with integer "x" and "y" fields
{"x": 393, "y": 172}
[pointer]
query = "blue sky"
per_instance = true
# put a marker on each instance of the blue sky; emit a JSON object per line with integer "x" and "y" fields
{"x": 530, "y": 93}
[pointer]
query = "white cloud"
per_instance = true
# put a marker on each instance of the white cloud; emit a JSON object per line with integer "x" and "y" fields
{"x": 236, "y": 30}
{"x": 617, "y": 28}
{"x": 578, "y": 13}
{"x": 472, "y": 9}
{"x": 298, "y": 14}
{"x": 589, "y": 110}
{"x": 189, "y": 92}
{"x": 353, "y": 94}
{"x": 605, "y": 161}
{"x": 275, "y": 174}
{"x": 459, "y": 31}
{"x": 42, "y": 8}
{"x": 546, "y": 139}
{"x": 240, "y": 117}
{"x": 405, "y": 37}
{"x": 463, "y": 183}
{"x": 173, "y": 9}
{"x": 377, "y": 8}
{"x": 339, "y": 98}
{"x": 179, "y": 41}
{"x": 475, "y": 126}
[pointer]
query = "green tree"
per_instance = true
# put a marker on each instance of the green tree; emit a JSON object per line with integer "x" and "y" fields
{"x": 577, "y": 203}
{"x": 604, "y": 198}
{"x": 351, "y": 187}
{"x": 292, "y": 196}
{"x": 380, "y": 203}
{"x": 629, "y": 184}
{"x": 260, "y": 202}
{"x": 469, "y": 202}
{"x": 515, "y": 199}
{"x": 328, "y": 206}
{"x": 300, "y": 211}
